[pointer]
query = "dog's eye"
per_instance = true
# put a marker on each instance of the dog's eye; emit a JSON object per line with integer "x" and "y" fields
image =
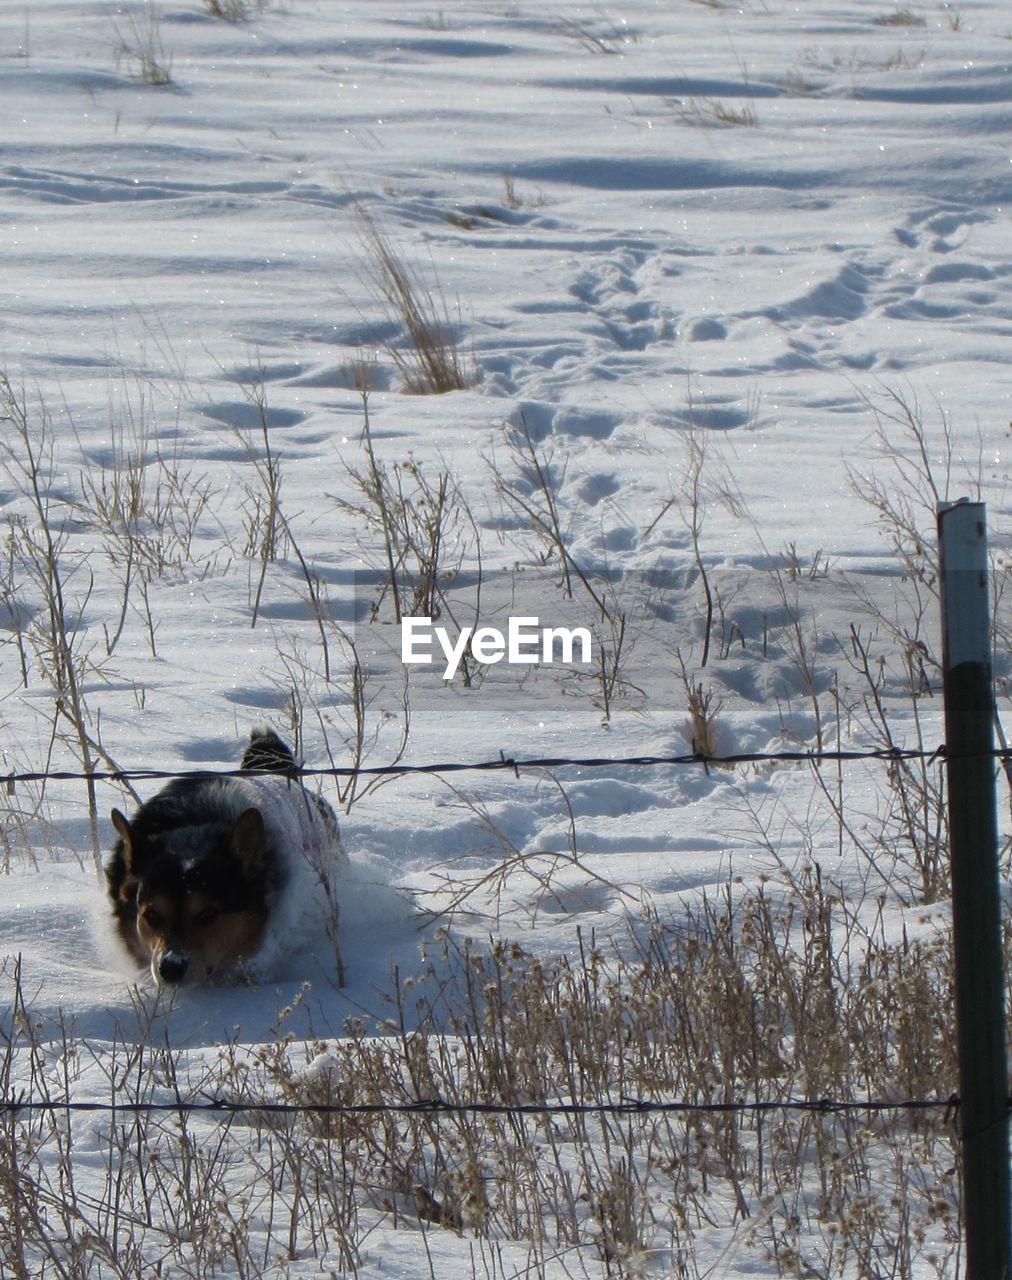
{"x": 207, "y": 916}
{"x": 151, "y": 917}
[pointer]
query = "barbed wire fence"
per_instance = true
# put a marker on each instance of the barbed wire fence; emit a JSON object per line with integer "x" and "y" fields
{"x": 510, "y": 763}
{"x": 436, "y": 1106}
{"x": 901, "y": 1117}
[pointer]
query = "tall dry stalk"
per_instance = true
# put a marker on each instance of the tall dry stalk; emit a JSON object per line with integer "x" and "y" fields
{"x": 432, "y": 362}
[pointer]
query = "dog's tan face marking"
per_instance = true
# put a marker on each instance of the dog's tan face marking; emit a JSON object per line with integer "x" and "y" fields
{"x": 195, "y": 928}
{"x": 156, "y": 922}
{"x": 231, "y": 938}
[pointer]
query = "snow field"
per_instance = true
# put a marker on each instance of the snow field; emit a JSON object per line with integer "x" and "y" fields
{"x": 730, "y": 288}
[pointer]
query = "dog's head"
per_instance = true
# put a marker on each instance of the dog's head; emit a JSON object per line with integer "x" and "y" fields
{"x": 192, "y": 901}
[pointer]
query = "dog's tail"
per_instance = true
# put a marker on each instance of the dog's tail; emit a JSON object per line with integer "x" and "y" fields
{"x": 267, "y": 753}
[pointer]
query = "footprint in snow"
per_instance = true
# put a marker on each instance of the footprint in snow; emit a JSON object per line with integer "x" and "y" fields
{"x": 251, "y": 417}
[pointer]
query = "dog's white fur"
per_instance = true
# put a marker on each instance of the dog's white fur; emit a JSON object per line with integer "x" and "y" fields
{"x": 307, "y": 858}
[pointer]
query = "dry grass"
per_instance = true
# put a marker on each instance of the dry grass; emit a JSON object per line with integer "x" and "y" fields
{"x": 857, "y": 62}
{"x": 900, "y": 18}
{"x": 431, "y": 363}
{"x": 417, "y": 522}
{"x": 599, "y": 34}
{"x": 234, "y": 10}
{"x": 139, "y": 46}
{"x": 711, "y": 112}
{"x": 766, "y": 997}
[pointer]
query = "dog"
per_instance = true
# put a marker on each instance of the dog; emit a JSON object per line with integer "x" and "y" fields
{"x": 212, "y": 879}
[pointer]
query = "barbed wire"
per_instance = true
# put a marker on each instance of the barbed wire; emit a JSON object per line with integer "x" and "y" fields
{"x": 512, "y": 763}
{"x": 442, "y": 1106}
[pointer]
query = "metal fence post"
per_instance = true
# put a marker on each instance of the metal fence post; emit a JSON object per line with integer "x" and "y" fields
{"x": 976, "y": 916}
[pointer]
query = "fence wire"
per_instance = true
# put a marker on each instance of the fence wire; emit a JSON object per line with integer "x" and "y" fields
{"x": 441, "y": 1106}
{"x": 511, "y": 763}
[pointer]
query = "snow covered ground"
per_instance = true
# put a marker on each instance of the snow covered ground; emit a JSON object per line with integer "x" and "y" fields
{"x": 730, "y": 286}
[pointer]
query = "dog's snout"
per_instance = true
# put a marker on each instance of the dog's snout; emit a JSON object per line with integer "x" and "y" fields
{"x": 172, "y": 966}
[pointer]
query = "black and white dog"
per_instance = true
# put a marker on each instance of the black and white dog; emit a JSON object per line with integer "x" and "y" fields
{"x": 218, "y": 879}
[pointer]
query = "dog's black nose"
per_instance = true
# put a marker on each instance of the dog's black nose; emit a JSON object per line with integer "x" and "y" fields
{"x": 172, "y": 967}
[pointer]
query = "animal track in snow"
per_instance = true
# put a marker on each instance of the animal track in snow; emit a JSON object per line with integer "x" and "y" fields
{"x": 248, "y": 416}
{"x": 942, "y": 228}
{"x": 611, "y": 291}
{"x": 74, "y": 187}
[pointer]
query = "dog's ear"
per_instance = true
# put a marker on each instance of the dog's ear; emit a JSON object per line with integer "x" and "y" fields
{"x": 126, "y": 835}
{"x": 249, "y": 842}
